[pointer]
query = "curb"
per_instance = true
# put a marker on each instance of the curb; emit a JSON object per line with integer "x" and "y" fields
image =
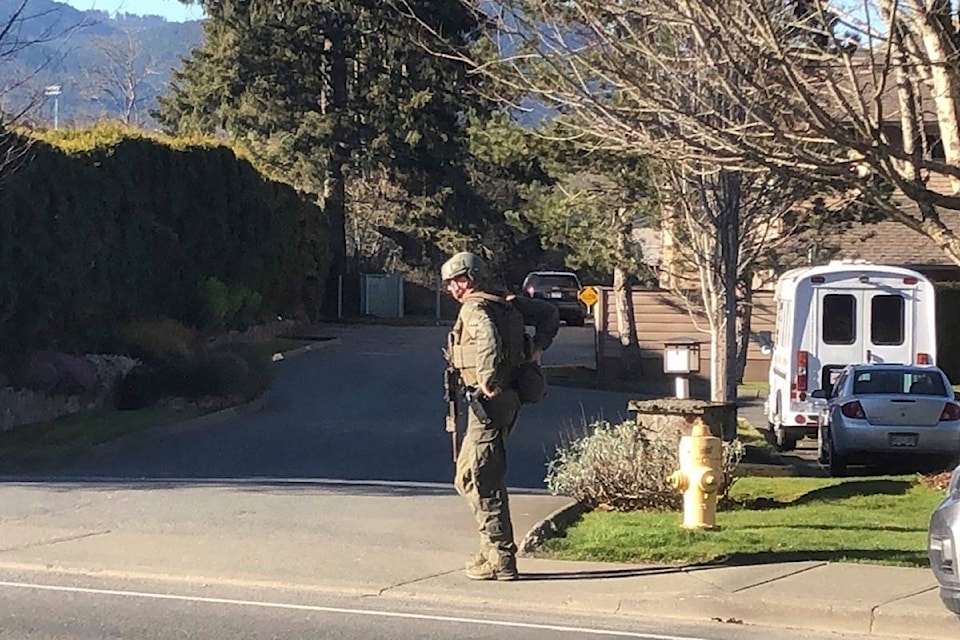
{"x": 215, "y": 417}
{"x": 550, "y": 527}
{"x": 293, "y": 353}
{"x": 205, "y": 420}
{"x": 815, "y": 616}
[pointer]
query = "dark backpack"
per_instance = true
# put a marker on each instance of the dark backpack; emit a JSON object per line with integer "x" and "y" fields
{"x": 528, "y": 378}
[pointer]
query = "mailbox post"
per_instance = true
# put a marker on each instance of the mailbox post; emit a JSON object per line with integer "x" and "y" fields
{"x": 681, "y": 357}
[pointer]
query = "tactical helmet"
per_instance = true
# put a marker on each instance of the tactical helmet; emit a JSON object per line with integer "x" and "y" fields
{"x": 464, "y": 263}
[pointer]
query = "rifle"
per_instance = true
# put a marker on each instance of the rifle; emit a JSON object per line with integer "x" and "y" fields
{"x": 451, "y": 386}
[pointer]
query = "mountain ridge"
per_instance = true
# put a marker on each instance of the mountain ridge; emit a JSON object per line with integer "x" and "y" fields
{"x": 107, "y": 66}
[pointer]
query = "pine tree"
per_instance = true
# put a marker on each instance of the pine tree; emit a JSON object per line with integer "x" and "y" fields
{"x": 318, "y": 90}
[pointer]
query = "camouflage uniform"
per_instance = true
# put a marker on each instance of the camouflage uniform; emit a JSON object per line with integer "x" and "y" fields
{"x": 482, "y": 461}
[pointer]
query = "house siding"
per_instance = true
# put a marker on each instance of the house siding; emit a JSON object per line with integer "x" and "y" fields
{"x": 660, "y": 316}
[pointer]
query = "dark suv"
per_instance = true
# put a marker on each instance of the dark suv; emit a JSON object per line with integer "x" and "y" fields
{"x": 560, "y": 288}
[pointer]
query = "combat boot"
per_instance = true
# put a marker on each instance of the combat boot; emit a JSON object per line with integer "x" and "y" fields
{"x": 476, "y": 561}
{"x": 503, "y": 569}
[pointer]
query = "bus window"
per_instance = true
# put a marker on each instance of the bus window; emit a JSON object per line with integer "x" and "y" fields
{"x": 839, "y": 319}
{"x": 886, "y": 319}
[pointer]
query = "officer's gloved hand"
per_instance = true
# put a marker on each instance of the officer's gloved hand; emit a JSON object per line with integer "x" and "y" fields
{"x": 488, "y": 392}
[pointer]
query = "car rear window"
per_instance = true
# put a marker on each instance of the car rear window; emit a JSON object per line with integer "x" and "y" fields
{"x": 899, "y": 381}
{"x": 553, "y": 281}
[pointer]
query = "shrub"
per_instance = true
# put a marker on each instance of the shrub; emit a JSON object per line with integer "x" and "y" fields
{"x": 158, "y": 340}
{"x": 52, "y": 372}
{"x": 226, "y": 306}
{"x": 625, "y": 467}
{"x": 234, "y": 371}
{"x": 111, "y": 368}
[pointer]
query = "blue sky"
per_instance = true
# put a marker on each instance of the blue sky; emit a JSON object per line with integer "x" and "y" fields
{"x": 169, "y": 9}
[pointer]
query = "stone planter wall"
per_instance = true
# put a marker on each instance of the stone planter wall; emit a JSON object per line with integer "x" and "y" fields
{"x": 22, "y": 406}
{"x": 677, "y": 415}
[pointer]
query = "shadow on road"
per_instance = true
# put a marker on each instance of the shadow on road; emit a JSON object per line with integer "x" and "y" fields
{"x": 357, "y": 488}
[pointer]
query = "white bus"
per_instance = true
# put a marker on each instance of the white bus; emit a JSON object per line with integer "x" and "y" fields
{"x": 829, "y": 316}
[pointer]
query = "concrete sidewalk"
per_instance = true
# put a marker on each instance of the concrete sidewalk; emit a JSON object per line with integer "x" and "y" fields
{"x": 315, "y": 536}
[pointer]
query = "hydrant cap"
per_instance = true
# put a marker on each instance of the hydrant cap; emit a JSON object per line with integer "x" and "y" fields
{"x": 709, "y": 481}
{"x": 699, "y": 429}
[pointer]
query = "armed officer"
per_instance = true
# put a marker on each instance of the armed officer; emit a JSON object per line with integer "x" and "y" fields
{"x": 487, "y": 346}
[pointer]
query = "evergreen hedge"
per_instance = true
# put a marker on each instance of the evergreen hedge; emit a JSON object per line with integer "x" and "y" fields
{"x": 99, "y": 227}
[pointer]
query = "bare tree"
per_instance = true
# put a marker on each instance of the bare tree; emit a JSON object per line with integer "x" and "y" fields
{"x": 858, "y": 101}
{"x": 629, "y": 78}
{"x": 725, "y": 231}
{"x": 119, "y": 82}
{"x": 22, "y": 26}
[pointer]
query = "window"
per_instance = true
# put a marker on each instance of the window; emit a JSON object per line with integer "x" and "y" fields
{"x": 886, "y": 319}
{"x": 899, "y": 381}
{"x": 839, "y": 315}
{"x": 927, "y": 384}
{"x": 547, "y": 280}
{"x": 838, "y": 385}
{"x": 886, "y": 382}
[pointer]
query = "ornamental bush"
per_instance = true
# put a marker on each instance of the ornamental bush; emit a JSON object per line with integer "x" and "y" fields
{"x": 624, "y": 467}
{"x": 53, "y": 372}
{"x": 235, "y": 371}
{"x": 158, "y": 340}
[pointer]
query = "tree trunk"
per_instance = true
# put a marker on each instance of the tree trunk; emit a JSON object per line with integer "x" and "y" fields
{"x": 724, "y": 387}
{"x": 334, "y": 189}
{"x": 744, "y": 321}
{"x": 944, "y": 89}
{"x": 626, "y": 323}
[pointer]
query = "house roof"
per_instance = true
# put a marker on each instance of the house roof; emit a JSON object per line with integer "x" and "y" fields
{"x": 890, "y": 242}
{"x": 880, "y": 72}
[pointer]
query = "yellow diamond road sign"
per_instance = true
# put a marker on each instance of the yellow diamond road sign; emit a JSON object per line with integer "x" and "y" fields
{"x": 588, "y": 296}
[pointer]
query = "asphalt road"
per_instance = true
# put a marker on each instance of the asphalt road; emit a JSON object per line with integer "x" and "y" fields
{"x": 367, "y": 408}
{"x": 78, "y": 608}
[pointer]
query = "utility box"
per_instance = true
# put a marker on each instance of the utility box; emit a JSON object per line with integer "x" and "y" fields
{"x": 381, "y": 295}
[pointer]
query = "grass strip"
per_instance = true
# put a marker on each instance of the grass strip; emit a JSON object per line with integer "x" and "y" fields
{"x": 880, "y": 520}
{"x": 34, "y": 443}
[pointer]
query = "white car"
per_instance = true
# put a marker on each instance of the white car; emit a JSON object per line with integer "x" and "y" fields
{"x": 893, "y": 411}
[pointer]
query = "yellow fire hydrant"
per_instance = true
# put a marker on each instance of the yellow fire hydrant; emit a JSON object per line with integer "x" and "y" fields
{"x": 699, "y": 477}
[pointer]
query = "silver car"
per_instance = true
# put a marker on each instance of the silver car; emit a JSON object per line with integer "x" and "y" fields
{"x": 944, "y": 545}
{"x": 888, "y": 411}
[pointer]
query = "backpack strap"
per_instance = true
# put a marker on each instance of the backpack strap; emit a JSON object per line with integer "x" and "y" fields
{"x": 464, "y": 357}
{"x": 489, "y": 297}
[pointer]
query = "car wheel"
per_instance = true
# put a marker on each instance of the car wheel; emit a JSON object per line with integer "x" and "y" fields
{"x": 575, "y": 321}
{"x": 770, "y": 434}
{"x": 836, "y": 463}
{"x": 785, "y": 441}
{"x": 823, "y": 451}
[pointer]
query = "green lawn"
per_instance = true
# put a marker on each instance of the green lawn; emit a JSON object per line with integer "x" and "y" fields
{"x": 880, "y": 520}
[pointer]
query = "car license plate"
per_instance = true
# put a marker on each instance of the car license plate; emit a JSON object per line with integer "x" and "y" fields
{"x": 556, "y": 294}
{"x": 903, "y": 439}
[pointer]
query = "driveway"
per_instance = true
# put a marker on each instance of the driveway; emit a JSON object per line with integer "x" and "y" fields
{"x": 369, "y": 407}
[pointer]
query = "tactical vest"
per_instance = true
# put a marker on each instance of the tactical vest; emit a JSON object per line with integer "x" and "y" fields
{"x": 513, "y": 341}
